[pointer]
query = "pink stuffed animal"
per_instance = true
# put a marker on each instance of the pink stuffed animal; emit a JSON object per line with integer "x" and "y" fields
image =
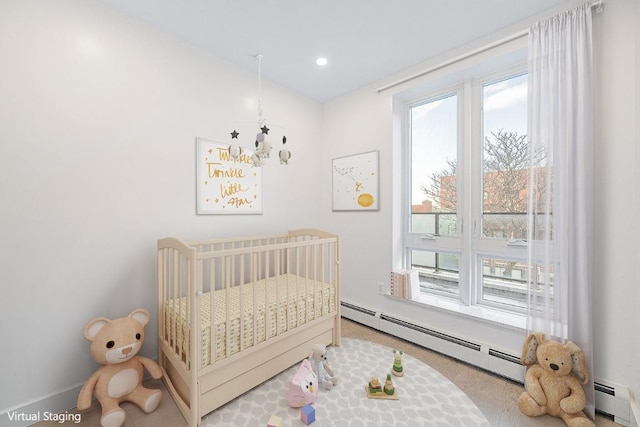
{"x": 303, "y": 388}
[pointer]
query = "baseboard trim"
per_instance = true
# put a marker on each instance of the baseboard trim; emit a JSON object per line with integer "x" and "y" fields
{"x": 360, "y": 314}
{"x": 611, "y": 399}
{"x": 52, "y": 407}
{"x": 635, "y": 413}
{"x": 614, "y": 400}
{"x": 46, "y": 408}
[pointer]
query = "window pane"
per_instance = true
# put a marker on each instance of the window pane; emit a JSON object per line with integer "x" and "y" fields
{"x": 542, "y": 299}
{"x": 505, "y": 158}
{"x": 504, "y": 281}
{"x": 434, "y": 137}
{"x": 437, "y": 271}
{"x": 433, "y": 222}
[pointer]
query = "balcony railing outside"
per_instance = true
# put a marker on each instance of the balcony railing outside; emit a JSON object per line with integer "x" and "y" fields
{"x": 503, "y": 280}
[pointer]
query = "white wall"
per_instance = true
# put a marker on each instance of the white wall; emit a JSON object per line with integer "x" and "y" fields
{"x": 354, "y": 125}
{"x": 635, "y": 386}
{"x": 98, "y": 119}
{"x": 616, "y": 114}
{"x": 364, "y": 118}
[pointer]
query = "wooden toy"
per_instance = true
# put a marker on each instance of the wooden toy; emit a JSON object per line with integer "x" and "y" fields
{"x": 397, "y": 370}
{"x": 374, "y": 387}
{"x": 308, "y": 414}
{"x": 375, "y": 390}
{"x": 275, "y": 421}
{"x": 388, "y": 388}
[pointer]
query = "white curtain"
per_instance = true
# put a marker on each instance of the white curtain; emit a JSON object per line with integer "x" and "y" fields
{"x": 561, "y": 181}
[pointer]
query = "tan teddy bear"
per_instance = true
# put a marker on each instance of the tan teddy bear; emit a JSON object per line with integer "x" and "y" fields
{"x": 554, "y": 379}
{"x": 115, "y": 344}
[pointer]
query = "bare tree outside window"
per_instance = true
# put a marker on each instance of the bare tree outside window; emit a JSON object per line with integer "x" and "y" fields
{"x": 441, "y": 190}
{"x": 506, "y": 177}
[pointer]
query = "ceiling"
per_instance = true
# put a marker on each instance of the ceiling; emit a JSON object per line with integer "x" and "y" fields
{"x": 363, "y": 40}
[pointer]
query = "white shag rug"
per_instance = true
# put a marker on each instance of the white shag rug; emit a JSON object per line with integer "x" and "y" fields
{"x": 426, "y": 397}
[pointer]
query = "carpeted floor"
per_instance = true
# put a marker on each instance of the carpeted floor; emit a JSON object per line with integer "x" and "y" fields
{"x": 424, "y": 395}
{"x": 496, "y": 397}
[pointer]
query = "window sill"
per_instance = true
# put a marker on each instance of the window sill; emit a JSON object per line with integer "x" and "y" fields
{"x": 490, "y": 315}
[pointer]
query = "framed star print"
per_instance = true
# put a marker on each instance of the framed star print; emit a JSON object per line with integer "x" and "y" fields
{"x": 355, "y": 182}
{"x": 226, "y": 182}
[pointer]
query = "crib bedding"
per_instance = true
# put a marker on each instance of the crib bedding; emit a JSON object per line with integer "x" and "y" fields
{"x": 292, "y": 300}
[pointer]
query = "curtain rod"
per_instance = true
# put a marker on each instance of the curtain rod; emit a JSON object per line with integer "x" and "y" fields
{"x": 598, "y": 5}
{"x": 444, "y": 64}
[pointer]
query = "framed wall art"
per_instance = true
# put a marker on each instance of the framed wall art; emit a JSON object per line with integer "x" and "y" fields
{"x": 225, "y": 185}
{"x": 356, "y": 182}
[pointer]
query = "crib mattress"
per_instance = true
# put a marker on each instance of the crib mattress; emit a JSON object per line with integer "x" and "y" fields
{"x": 292, "y": 301}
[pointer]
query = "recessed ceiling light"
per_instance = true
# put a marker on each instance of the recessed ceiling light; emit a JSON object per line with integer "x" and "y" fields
{"x": 321, "y": 61}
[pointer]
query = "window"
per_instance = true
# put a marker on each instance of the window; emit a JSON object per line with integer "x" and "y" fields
{"x": 466, "y": 163}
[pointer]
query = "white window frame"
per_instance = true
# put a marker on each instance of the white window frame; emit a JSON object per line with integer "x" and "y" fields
{"x": 469, "y": 243}
{"x": 488, "y": 246}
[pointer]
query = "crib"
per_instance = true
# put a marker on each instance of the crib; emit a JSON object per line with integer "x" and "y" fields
{"x": 233, "y": 312}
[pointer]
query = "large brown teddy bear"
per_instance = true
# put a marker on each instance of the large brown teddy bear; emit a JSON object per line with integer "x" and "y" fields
{"x": 554, "y": 379}
{"x": 115, "y": 344}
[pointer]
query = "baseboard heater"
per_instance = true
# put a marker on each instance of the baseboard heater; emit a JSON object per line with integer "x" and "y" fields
{"x": 465, "y": 350}
{"x": 431, "y": 332}
{"x": 611, "y": 399}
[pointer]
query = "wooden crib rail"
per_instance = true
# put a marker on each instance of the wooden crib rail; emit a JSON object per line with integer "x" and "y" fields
{"x": 274, "y": 294}
{"x": 243, "y": 241}
{"x": 176, "y": 279}
{"x": 312, "y": 232}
